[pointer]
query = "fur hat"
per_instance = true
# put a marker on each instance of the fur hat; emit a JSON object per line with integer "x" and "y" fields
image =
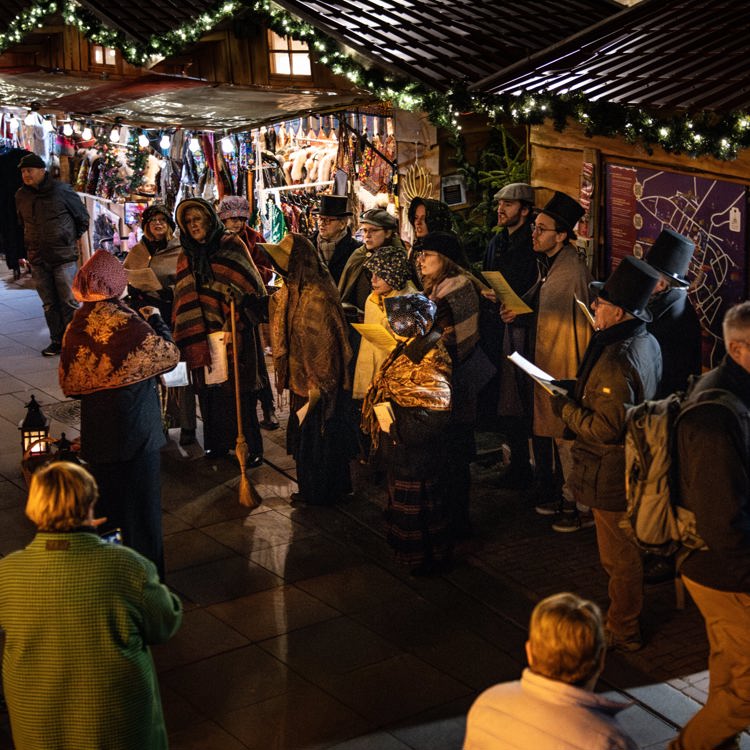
{"x": 629, "y": 286}
{"x": 32, "y": 161}
{"x": 447, "y": 244}
{"x": 234, "y": 207}
{"x": 379, "y": 217}
{"x": 410, "y": 314}
{"x": 391, "y": 264}
{"x": 100, "y": 277}
{"x": 671, "y": 255}
{"x": 565, "y": 210}
{"x": 516, "y": 191}
{"x": 157, "y": 209}
{"x": 333, "y": 205}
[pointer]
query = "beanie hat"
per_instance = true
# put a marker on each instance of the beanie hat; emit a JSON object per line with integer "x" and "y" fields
{"x": 100, "y": 277}
{"x": 234, "y": 207}
{"x": 391, "y": 264}
{"x": 32, "y": 161}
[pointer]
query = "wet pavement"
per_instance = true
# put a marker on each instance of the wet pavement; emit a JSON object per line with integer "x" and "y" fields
{"x": 301, "y": 631}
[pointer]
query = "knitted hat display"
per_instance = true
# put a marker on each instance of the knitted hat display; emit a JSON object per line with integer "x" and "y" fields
{"x": 447, "y": 244}
{"x": 32, "y": 161}
{"x": 157, "y": 209}
{"x": 629, "y": 286}
{"x": 391, "y": 264}
{"x": 410, "y": 314}
{"x": 379, "y": 217}
{"x": 234, "y": 207}
{"x": 100, "y": 277}
{"x": 671, "y": 255}
{"x": 566, "y": 211}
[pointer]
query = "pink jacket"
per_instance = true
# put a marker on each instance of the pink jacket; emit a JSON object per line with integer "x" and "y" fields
{"x": 537, "y": 713}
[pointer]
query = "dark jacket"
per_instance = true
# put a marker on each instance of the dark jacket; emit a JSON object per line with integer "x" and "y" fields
{"x": 53, "y": 218}
{"x": 513, "y": 255}
{"x": 677, "y": 329}
{"x": 344, "y": 248}
{"x": 714, "y": 471}
{"x": 621, "y": 367}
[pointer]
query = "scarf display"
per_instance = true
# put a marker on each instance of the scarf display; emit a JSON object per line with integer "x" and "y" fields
{"x": 309, "y": 336}
{"x": 107, "y": 345}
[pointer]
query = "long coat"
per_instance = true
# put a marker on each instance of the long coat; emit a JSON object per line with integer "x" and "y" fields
{"x": 622, "y": 367}
{"x": 79, "y": 615}
{"x": 677, "y": 329}
{"x": 562, "y": 331}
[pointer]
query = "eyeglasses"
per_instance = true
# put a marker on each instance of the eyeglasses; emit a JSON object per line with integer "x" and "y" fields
{"x": 536, "y": 228}
{"x": 327, "y": 219}
{"x": 372, "y": 230}
{"x": 158, "y": 220}
{"x": 601, "y": 301}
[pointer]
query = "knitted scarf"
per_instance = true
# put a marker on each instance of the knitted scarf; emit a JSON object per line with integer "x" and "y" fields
{"x": 107, "y": 345}
{"x": 458, "y": 314}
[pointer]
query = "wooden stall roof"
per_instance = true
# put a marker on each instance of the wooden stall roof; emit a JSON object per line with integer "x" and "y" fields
{"x": 440, "y": 41}
{"x": 687, "y": 55}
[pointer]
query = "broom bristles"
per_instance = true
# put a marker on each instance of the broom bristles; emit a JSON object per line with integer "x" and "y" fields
{"x": 249, "y": 496}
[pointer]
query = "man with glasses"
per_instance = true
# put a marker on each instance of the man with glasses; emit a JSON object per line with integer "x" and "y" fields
{"x": 333, "y": 238}
{"x": 621, "y": 367}
{"x": 559, "y": 339}
{"x": 713, "y": 449}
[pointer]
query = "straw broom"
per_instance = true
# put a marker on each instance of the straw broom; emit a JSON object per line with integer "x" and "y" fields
{"x": 248, "y": 494}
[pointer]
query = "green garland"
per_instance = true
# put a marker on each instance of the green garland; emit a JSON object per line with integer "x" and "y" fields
{"x": 698, "y": 135}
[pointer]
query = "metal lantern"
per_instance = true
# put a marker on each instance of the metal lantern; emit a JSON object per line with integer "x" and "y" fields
{"x": 34, "y": 431}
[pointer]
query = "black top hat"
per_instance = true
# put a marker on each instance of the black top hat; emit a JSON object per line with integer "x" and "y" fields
{"x": 629, "y": 286}
{"x": 332, "y": 205}
{"x": 671, "y": 255}
{"x": 565, "y": 210}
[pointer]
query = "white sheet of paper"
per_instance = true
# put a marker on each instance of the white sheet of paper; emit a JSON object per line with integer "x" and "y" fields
{"x": 384, "y": 413}
{"x": 505, "y": 294}
{"x": 176, "y": 377}
{"x": 219, "y": 370}
{"x": 586, "y": 312}
{"x": 540, "y": 376}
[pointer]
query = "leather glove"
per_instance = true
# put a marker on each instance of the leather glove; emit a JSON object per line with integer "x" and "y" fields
{"x": 558, "y": 404}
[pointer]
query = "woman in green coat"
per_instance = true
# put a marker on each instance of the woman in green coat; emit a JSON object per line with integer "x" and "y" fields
{"x": 79, "y": 615}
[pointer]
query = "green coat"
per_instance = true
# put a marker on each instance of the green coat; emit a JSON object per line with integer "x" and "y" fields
{"x": 78, "y": 615}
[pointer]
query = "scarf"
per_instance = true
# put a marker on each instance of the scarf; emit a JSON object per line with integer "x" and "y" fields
{"x": 107, "y": 345}
{"x": 202, "y": 307}
{"x": 416, "y": 374}
{"x": 309, "y": 336}
{"x": 458, "y": 314}
{"x": 199, "y": 253}
{"x": 326, "y": 248}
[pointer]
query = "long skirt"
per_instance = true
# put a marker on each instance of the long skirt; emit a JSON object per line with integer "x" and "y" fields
{"x": 418, "y": 521}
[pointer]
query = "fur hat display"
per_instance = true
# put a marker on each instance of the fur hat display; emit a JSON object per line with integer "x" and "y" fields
{"x": 671, "y": 255}
{"x": 333, "y": 205}
{"x": 565, "y": 210}
{"x": 379, "y": 217}
{"x": 391, "y": 264}
{"x": 629, "y": 286}
{"x": 234, "y": 207}
{"x": 516, "y": 191}
{"x": 100, "y": 277}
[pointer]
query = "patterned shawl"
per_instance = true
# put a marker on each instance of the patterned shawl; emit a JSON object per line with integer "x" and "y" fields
{"x": 107, "y": 345}
{"x": 203, "y": 308}
{"x": 458, "y": 314}
{"x": 309, "y": 336}
{"x": 409, "y": 383}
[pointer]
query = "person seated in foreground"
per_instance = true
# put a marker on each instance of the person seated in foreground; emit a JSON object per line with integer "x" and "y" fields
{"x": 553, "y": 705}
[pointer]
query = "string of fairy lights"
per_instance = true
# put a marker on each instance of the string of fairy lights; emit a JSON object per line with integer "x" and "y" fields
{"x": 704, "y": 134}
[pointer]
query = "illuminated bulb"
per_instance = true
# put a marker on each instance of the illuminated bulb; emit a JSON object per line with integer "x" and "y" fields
{"x": 114, "y": 135}
{"x": 165, "y": 142}
{"x": 227, "y": 145}
{"x": 67, "y": 129}
{"x": 87, "y": 134}
{"x": 194, "y": 145}
{"x": 143, "y": 140}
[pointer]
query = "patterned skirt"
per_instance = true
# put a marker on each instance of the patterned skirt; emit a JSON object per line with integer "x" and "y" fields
{"x": 417, "y": 526}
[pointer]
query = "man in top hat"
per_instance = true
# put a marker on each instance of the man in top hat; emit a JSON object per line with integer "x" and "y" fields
{"x": 621, "y": 367}
{"x": 559, "y": 338}
{"x": 675, "y": 324}
{"x": 53, "y": 219}
{"x": 333, "y": 237}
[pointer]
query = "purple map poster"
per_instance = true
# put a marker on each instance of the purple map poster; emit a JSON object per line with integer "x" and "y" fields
{"x": 641, "y": 202}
